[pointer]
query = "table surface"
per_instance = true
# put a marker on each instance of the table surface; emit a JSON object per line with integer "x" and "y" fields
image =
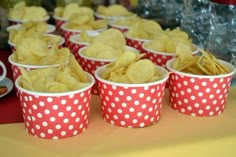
{"x": 175, "y": 134}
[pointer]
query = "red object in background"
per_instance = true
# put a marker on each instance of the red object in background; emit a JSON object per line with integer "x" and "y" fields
{"x": 10, "y": 109}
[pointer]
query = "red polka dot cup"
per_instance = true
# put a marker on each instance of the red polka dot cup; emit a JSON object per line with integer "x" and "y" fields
{"x": 60, "y": 44}
{"x": 161, "y": 58}
{"x": 135, "y": 42}
{"x": 59, "y": 22}
{"x": 17, "y": 21}
{"x": 16, "y": 67}
{"x": 119, "y": 27}
{"x": 67, "y": 32}
{"x": 199, "y": 95}
{"x": 90, "y": 64}
{"x": 75, "y": 44}
{"x": 131, "y": 105}
{"x": 55, "y": 115}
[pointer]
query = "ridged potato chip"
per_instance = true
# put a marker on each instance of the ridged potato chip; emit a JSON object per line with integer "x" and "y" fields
{"x": 144, "y": 29}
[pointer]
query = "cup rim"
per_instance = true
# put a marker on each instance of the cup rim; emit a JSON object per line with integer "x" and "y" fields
{"x": 232, "y": 69}
{"x": 166, "y": 53}
{"x": 79, "y": 31}
{"x": 51, "y": 28}
{"x": 46, "y": 18}
{"x": 56, "y": 94}
{"x": 31, "y": 66}
{"x": 164, "y": 72}
{"x": 80, "y": 52}
{"x": 111, "y": 23}
{"x": 137, "y": 39}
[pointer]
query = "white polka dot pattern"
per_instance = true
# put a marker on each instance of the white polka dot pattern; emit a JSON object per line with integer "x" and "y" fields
{"x": 59, "y": 117}
{"x": 16, "y": 71}
{"x": 74, "y": 49}
{"x": 135, "y": 43}
{"x": 157, "y": 58}
{"x": 197, "y": 96}
{"x": 131, "y": 106}
{"x": 91, "y": 66}
{"x": 59, "y": 23}
{"x": 67, "y": 34}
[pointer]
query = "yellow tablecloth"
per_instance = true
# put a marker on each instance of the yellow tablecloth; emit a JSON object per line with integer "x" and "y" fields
{"x": 175, "y": 135}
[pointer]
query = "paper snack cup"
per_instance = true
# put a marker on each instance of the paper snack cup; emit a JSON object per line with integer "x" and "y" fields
{"x": 90, "y": 64}
{"x": 135, "y": 42}
{"x": 161, "y": 58}
{"x": 55, "y": 115}
{"x": 17, "y": 21}
{"x": 131, "y": 105}
{"x": 199, "y": 95}
{"x": 16, "y": 67}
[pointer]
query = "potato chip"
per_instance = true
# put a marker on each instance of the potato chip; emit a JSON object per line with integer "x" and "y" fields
{"x": 144, "y": 29}
{"x": 101, "y": 50}
{"x": 141, "y": 71}
{"x": 130, "y": 68}
{"x": 112, "y": 37}
{"x": 109, "y": 44}
{"x": 55, "y": 79}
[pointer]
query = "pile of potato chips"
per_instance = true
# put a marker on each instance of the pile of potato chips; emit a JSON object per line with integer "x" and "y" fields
{"x": 113, "y": 10}
{"x": 144, "y": 29}
{"x": 70, "y": 9}
{"x": 109, "y": 44}
{"x": 85, "y": 22}
{"x": 22, "y": 12}
{"x": 130, "y": 68}
{"x": 27, "y": 29}
{"x": 205, "y": 64}
{"x": 34, "y": 51}
{"x": 169, "y": 40}
{"x": 67, "y": 77}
